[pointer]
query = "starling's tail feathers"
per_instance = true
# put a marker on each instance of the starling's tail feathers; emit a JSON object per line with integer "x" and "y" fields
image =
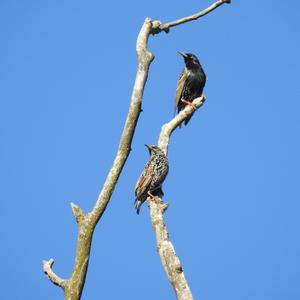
{"x": 186, "y": 121}
{"x": 137, "y": 204}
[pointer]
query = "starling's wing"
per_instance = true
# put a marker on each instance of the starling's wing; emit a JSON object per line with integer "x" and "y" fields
{"x": 158, "y": 180}
{"x": 179, "y": 89}
{"x": 143, "y": 184}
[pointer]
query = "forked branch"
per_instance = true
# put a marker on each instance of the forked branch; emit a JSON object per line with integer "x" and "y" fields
{"x": 87, "y": 221}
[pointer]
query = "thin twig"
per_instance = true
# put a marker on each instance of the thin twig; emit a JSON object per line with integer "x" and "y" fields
{"x": 47, "y": 266}
{"x": 166, "y": 27}
{"x": 168, "y": 128}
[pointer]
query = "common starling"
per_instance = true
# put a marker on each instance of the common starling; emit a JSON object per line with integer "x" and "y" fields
{"x": 190, "y": 84}
{"x": 152, "y": 177}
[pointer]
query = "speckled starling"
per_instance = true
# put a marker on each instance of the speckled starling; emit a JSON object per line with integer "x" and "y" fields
{"x": 190, "y": 84}
{"x": 152, "y": 177}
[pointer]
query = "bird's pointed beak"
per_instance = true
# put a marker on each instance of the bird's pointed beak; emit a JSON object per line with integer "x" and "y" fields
{"x": 149, "y": 148}
{"x": 182, "y": 54}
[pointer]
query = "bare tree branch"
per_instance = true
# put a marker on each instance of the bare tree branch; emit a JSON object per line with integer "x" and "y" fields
{"x": 47, "y": 266}
{"x": 158, "y": 27}
{"x": 165, "y": 248}
{"x": 144, "y": 60}
{"x": 87, "y": 221}
{"x": 79, "y": 214}
{"x": 166, "y": 251}
{"x": 168, "y": 128}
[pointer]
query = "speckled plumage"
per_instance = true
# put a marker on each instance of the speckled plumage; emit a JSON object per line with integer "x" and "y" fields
{"x": 152, "y": 176}
{"x": 191, "y": 82}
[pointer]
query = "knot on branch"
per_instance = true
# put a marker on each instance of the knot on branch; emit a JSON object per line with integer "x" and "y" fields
{"x": 158, "y": 205}
{"x": 157, "y": 27}
{"x": 149, "y": 57}
{"x": 164, "y": 207}
{"x": 145, "y": 57}
{"x": 47, "y": 266}
{"x": 179, "y": 268}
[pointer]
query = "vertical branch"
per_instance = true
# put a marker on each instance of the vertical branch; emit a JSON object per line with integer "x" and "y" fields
{"x": 165, "y": 248}
{"x": 87, "y": 222}
{"x": 166, "y": 251}
{"x": 144, "y": 60}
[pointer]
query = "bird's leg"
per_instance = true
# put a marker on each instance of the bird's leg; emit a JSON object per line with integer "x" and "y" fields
{"x": 151, "y": 195}
{"x": 189, "y": 103}
{"x": 154, "y": 198}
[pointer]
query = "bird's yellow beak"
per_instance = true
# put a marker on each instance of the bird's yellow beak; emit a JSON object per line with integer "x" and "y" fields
{"x": 182, "y": 54}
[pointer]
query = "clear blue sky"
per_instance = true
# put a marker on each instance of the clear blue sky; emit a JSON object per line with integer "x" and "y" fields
{"x": 67, "y": 70}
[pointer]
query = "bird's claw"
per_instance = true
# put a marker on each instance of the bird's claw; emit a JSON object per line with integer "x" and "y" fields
{"x": 156, "y": 199}
{"x": 189, "y": 103}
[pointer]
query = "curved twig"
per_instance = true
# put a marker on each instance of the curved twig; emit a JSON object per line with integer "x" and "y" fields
{"x": 166, "y": 27}
{"x": 47, "y": 266}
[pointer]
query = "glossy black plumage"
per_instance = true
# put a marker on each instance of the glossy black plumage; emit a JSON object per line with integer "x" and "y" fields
{"x": 152, "y": 177}
{"x": 191, "y": 82}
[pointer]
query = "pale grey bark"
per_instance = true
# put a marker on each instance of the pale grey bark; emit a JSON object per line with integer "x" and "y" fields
{"x": 165, "y": 248}
{"x": 87, "y": 222}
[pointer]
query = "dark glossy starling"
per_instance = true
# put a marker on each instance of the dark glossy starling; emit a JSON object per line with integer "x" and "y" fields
{"x": 152, "y": 177}
{"x": 190, "y": 84}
